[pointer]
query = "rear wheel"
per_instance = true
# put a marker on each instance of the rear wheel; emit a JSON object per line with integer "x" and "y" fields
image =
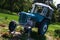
{"x": 43, "y": 27}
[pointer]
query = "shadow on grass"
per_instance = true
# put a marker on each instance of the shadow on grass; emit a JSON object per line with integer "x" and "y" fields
{"x": 35, "y": 36}
{"x": 11, "y": 37}
{"x": 57, "y": 33}
{"x": 56, "y": 23}
{"x": 4, "y": 11}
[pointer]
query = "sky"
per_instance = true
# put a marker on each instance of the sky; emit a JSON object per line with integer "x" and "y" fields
{"x": 56, "y": 2}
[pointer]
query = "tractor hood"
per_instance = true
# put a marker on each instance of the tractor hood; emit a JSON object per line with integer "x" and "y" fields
{"x": 34, "y": 16}
{"x": 29, "y": 14}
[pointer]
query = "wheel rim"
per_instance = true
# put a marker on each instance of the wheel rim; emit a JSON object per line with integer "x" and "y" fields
{"x": 44, "y": 28}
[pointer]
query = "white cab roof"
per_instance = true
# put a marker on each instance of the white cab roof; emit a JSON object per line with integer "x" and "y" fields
{"x": 41, "y": 4}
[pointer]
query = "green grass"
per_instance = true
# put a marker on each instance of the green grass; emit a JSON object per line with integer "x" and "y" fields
{"x": 52, "y": 27}
{"x": 10, "y": 17}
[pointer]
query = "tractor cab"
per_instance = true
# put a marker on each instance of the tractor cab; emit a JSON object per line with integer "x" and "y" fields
{"x": 42, "y": 9}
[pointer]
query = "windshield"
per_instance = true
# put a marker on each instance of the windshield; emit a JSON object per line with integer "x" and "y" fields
{"x": 41, "y": 9}
{"x": 38, "y": 9}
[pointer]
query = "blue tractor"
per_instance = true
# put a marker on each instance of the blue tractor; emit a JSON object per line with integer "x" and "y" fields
{"x": 39, "y": 17}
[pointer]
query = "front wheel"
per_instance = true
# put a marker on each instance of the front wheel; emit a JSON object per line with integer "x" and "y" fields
{"x": 12, "y": 26}
{"x": 43, "y": 27}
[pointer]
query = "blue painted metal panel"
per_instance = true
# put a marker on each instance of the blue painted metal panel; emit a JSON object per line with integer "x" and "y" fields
{"x": 39, "y": 17}
{"x": 22, "y": 18}
{"x": 34, "y": 16}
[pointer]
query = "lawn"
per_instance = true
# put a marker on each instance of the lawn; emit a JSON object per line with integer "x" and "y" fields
{"x": 15, "y": 17}
{"x": 10, "y": 17}
{"x": 52, "y": 27}
{"x": 6, "y": 18}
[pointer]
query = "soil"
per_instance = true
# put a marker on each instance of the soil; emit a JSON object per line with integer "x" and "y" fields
{"x": 2, "y": 25}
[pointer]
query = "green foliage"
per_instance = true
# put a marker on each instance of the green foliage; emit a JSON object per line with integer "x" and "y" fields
{"x": 24, "y": 5}
{"x": 16, "y": 5}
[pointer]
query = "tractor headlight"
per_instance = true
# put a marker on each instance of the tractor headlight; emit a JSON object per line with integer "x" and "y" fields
{"x": 29, "y": 27}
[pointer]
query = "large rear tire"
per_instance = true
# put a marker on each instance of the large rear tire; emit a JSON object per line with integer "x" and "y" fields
{"x": 42, "y": 27}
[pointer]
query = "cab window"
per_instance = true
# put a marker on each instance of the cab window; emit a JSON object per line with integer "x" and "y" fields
{"x": 38, "y": 9}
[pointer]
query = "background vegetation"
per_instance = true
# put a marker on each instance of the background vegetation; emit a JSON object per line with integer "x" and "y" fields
{"x": 9, "y": 10}
{"x": 24, "y": 5}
